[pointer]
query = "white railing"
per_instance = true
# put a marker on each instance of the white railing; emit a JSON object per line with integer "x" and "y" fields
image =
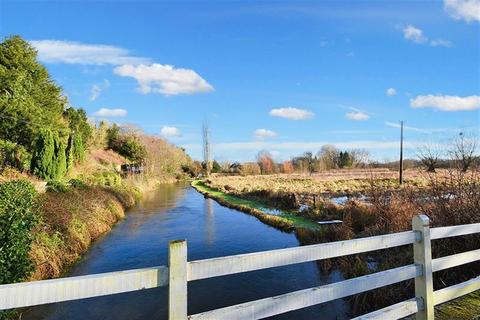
{"x": 180, "y": 271}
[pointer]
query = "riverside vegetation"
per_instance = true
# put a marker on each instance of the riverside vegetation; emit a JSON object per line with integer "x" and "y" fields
{"x": 61, "y": 183}
{"x": 448, "y": 197}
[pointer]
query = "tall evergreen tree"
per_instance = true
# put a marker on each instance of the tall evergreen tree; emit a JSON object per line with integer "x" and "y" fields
{"x": 43, "y": 158}
{"x": 29, "y": 98}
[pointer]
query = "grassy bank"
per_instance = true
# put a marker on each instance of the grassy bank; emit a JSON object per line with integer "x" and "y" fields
{"x": 464, "y": 308}
{"x": 284, "y": 221}
{"x": 70, "y": 220}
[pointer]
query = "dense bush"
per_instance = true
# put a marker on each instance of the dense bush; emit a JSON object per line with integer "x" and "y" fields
{"x": 56, "y": 186}
{"x": 126, "y": 144}
{"x": 14, "y": 155}
{"x": 17, "y": 218}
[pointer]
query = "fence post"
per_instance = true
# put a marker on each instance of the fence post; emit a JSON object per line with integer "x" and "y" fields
{"x": 177, "y": 285}
{"x": 422, "y": 255}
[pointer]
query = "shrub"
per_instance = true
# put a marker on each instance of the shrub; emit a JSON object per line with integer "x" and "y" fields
{"x": 17, "y": 218}
{"x": 56, "y": 186}
{"x": 14, "y": 155}
{"x": 77, "y": 183}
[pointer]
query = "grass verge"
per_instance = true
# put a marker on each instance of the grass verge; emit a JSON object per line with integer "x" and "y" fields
{"x": 464, "y": 308}
{"x": 284, "y": 220}
{"x": 70, "y": 221}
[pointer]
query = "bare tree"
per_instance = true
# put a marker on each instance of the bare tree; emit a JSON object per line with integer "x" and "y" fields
{"x": 429, "y": 155}
{"x": 327, "y": 156}
{"x": 206, "y": 149}
{"x": 463, "y": 151}
{"x": 360, "y": 158}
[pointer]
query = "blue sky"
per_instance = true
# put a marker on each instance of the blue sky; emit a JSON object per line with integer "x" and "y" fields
{"x": 286, "y": 76}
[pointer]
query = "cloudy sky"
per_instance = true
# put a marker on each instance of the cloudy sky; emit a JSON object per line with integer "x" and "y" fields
{"x": 283, "y": 76}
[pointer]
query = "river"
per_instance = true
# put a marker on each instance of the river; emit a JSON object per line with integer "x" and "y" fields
{"x": 179, "y": 212}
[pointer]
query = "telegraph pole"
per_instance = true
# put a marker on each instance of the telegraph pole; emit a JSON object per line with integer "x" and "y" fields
{"x": 400, "y": 178}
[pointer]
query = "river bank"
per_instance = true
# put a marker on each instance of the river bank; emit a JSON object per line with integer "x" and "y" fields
{"x": 282, "y": 220}
{"x": 446, "y": 201}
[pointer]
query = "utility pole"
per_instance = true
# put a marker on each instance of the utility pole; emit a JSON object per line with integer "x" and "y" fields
{"x": 400, "y": 178}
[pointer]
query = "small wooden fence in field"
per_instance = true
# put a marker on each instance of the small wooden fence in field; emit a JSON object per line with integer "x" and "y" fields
{"x": 180, "y": 271}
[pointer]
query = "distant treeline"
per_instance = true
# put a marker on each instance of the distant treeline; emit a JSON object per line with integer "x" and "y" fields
{"x": 461, "y": 154}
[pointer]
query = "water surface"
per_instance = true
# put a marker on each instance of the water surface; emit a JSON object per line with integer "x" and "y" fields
{"x": 179, "y": 212}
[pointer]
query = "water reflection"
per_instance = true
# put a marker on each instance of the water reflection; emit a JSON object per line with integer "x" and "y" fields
{"x": 209, "y": 221}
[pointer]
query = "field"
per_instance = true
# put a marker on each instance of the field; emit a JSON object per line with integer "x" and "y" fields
{"x": 447, "y": 197}
{"x": 333, "y": 182}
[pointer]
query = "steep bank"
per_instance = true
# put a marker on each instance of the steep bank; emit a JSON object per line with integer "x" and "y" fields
{"x": 283, "y": 220}
{"x": 70, "y": 220}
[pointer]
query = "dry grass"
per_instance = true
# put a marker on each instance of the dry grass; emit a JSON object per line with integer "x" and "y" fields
{"x": 309, "y": 185}
{"x": 70, "y": 221}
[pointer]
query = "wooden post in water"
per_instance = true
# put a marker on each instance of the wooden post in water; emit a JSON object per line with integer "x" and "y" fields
{"x": 422, "y": 255}
{"x": 177, "y": 285}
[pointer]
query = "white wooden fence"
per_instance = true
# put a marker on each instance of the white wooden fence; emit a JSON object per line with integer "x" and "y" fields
{"x": 180, "y": 271}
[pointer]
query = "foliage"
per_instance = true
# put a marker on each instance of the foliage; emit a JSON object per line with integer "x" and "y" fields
{"x": 216, "y": 167}
{"x": 126, "y": 144}
{"x": 17, "y": 218}
{"x": 14, "y": 155}
{"x": 105, "y": 178}
{"x": 29, "y": 99}
{"x": 43, "y": 158}
{"x": 266, "y": 163}
{"x": 77, "y": 183}
{"x": 56, "y": 186}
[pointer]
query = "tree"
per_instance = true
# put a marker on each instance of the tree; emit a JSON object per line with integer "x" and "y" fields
{"x": 29, "y": 98}
{"x": 216, "y": 167}
{"x": 287, "y": 167}
{"x": 463, "y": 151}
{"x": 265, "y": 161}
{"x": 343, "y": 159}
{"x": 43, "y": 158}
{"x": 429, "y": 156}
{"x": 310, "y": 161}
{"x": 327, "y": 156}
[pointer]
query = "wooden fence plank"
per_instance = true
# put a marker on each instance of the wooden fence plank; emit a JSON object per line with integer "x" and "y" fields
{"x": 396, "y": 311}
{"x": 177, "y": 282}
{"x": 304, "y": 298}
{"x": 458, "y": 290}
{"x": 26, "y": 294}
{"x": 215, "y": 267}
{"x": 455, "y": 260}
{"x": 454, "y": 231}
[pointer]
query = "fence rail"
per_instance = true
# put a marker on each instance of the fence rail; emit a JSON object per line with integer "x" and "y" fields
{"x": 180, "y": 271}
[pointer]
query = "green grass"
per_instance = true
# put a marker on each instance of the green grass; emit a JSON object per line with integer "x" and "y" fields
{"x": 464, "y": 308}
{"x": 255, "y": 207}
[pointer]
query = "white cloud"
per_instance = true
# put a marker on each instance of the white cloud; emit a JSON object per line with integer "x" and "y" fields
{"x": 391, "y": 92}
{"x": 105, "y": 112}
{"x": 57, "y": 51}
{"x": 446, "y": 103}
{"x": 469, "y": 10}
{"x": 357, "y": 116}
{"x": 440, "y": 43}
{"x": 165, "y": 79}
{"x": 292, "y": 113}
{"x": 167, "y": 131}
{"x": 265, "y": 133}
{"x": 97, "y": 89}
{"x": 416, "y": 35}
